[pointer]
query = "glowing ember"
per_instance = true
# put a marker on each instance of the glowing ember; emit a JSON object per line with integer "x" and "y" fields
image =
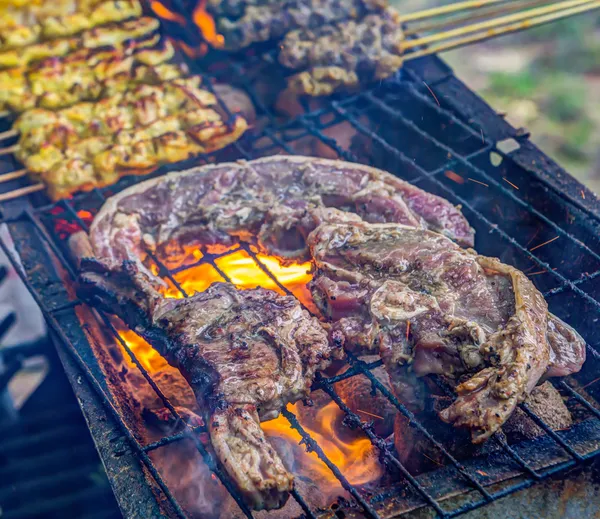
{"x": 64, "y": 228}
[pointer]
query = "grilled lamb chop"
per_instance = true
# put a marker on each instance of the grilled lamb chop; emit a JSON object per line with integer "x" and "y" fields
{"x": 276, "y": 200}
{"x": 431, "y": 307}
{"x": 245, "y": 354}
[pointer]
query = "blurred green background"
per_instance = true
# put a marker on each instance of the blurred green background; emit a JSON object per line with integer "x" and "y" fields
{"x": 546, "y": 79}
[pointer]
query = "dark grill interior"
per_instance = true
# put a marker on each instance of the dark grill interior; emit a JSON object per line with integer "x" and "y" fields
{"x": 418, "y": 127}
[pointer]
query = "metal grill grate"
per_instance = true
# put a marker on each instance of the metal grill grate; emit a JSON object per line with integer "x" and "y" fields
{"x": 404, "y": 127}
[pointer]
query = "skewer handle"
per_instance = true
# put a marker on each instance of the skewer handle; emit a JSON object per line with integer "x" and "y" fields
{"x": 501, "y": 31}
{"x": 8, "y": 134}
{"x": 7, "y": 177}
{"x": 9, "y": 150}
{"x": 447, "y": 9}
{"x": 23, "y": 191}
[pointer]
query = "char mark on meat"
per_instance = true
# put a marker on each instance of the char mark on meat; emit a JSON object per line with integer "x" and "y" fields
{"x": 244, "y": 22}
{"x": 276, "y": 201}
{"x": 246, "y": 355}
{"x": 345, "y": 55}
{"x": 430, "y": 307}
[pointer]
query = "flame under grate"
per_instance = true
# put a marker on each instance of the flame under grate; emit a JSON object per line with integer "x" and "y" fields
{"x": 402, "y": 128}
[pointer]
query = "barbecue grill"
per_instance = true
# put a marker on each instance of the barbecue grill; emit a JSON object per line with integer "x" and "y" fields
{"x": 426, "y": 127}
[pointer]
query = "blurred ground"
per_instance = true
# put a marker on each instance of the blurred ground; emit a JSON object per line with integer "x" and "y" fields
{"x": 547, "y": 80}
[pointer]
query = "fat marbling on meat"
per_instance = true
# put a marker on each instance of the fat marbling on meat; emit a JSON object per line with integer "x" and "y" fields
{"x": 275, "y": 201}
{"x": 245, "y": 354}
{"x": 429, "y": 307}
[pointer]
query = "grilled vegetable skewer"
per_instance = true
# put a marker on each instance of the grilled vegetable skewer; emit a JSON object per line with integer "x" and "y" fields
{"x": 110, "y": 35}
{"x": 86, "y": 75}
{"x": 33, "y": 22}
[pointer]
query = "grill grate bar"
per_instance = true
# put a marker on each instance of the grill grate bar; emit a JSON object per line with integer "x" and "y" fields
{"x": 313, "y": 446}
{"x": 550, "y": 432}
{"x": 472, "y": 480}
{"x": 163, "y": 271}
{"x": 394, "y": 113}
{"x": 579, "y": 398}
{"x": 354, "y": 421}
{"x": 444, "y": 386}
{"x": 480, "y": 216}
{"x": 167, "y": 440}
{"x": 51, "y": 320}
{"x": 203, "y": 260}
{"x": 577, "y": 282}
{"x": 303, "y": 504}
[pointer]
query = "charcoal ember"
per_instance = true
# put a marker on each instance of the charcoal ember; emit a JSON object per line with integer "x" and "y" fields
{"x": 245, "y": 23}
{"x": 171, "y": 383}
{"x": 343, "y": 55}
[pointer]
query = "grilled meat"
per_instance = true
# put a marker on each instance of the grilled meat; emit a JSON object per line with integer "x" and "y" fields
{"x": 245, "y": 353}
{"x": 429, "y": 306}
{"x": 85, "y": 75}
{"x": 343, "y": 55}
{"x": 37, "y": 21}
{"x": 112, "y": 35}
{"x": 276, "y": 200}
{"x": 48, "y": 137}
{"x": 137, "y": 106}
{"x": 101, "y": 161}
{"x": 244, "y": 22}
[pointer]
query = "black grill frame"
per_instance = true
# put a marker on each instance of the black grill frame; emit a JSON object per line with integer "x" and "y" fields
{"x": 432, "y": 85}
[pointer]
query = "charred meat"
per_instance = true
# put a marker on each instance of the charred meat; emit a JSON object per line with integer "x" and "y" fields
{"x": 245, "y": 353}
{"x": 277, "y": 200}
{"x": 244, "y": 22}
{"x": 343, "y": 56}
{"x": 429, "y": 307}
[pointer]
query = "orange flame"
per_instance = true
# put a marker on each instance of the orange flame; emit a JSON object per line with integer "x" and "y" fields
{"x": 163, "y": 12}
{"x": 355, "y": 457}
{"x": 206, "y": 23}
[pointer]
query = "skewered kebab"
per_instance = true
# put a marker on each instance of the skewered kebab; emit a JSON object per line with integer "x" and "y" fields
{"x": 48, "y": 137}
{"x": 33, "y": 23}
{"x": 243, "y": 23}
{"x": 351, "y": 53}
{"x": 110, "y": 35}
{"x": 138, "y": 106}
{"x": 101, "y": 161}
{"x": 85, "y": 75}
